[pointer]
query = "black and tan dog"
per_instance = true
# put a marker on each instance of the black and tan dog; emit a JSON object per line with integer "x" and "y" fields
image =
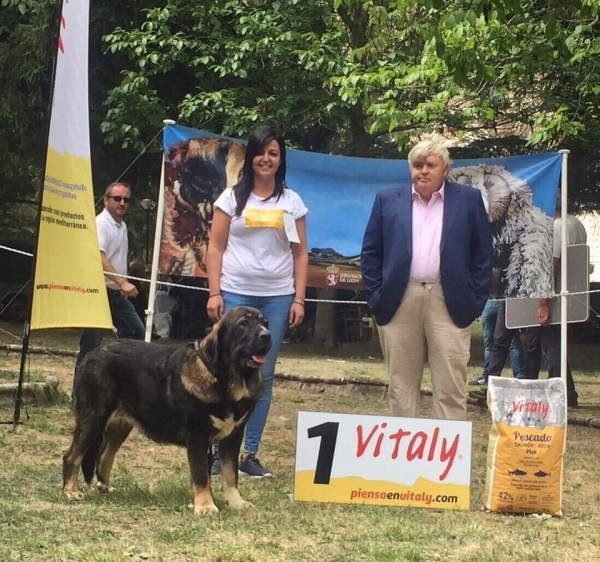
{"x": 191, "y": 396}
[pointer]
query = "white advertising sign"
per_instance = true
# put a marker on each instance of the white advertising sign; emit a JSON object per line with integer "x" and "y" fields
{"x": 383, "y": 460}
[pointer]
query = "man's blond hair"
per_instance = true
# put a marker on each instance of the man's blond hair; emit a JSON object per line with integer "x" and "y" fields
{"x": 426, "y": 148}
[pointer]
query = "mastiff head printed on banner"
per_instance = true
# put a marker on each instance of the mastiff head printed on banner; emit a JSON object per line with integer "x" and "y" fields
{"x": 196, "y": 172}
{"x": 522, "y": 232}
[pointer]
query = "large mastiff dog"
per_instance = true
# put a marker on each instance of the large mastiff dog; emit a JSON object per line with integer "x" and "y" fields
{"x": 191, "y": 396}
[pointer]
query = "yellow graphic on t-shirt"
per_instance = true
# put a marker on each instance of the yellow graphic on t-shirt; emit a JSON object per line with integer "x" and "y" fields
{"x": 256, "y": 218}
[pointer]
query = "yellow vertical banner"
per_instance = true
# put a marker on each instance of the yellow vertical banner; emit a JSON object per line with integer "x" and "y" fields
{"x": 69, "y": 288}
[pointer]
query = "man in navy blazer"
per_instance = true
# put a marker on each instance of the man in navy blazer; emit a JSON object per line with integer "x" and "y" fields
{"x": 426, "y": 263}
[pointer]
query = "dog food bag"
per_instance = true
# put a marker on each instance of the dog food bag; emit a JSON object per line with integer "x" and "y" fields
{"x": 526, "y": 445}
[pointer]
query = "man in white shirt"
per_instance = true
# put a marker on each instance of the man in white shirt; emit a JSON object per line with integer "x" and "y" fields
{"x": 114, "y": 247}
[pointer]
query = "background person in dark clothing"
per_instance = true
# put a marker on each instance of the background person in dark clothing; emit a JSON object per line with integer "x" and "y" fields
{"x": 545, "y": 339}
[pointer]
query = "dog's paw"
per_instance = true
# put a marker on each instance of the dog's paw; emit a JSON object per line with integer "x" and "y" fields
{"x": 103, "y": 488}
{"x": 74, "y": 494}
{"x": 206, "y": 510}
{"x": 234, "y": 500}
{"x": 240, "y": 505}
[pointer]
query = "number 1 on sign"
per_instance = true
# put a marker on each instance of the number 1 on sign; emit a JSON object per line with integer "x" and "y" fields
{"x": 328, "y": 433}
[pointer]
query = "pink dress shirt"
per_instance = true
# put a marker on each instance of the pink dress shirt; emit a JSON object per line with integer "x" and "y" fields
{"x": 426, "y": 236}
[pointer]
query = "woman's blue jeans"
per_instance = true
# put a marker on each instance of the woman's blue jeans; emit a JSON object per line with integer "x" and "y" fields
{"x": 277, "y": 312}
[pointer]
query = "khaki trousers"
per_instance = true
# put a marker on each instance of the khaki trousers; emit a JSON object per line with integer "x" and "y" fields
{"x": 422, "y": 328}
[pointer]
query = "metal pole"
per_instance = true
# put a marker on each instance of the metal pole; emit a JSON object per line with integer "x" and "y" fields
{"x": 147, "y": 235}
{"x": 563, "y": 264}
{"x": 27, "y": 325}
{"x": 156, "y": 253}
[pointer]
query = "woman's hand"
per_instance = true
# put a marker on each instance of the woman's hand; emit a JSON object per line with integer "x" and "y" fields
{"x": 296, "y": 314}
{"x": 215, "y": 307}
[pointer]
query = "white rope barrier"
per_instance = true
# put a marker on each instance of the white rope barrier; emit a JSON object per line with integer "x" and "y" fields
{"x": 192, "y": 288}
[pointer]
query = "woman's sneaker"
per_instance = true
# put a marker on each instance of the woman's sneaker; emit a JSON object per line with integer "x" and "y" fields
{"x": 250, "y": 466}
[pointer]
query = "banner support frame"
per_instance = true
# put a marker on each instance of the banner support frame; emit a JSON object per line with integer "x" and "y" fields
{"x": 27, "y": 323}
{"x": 156, "y": 249}
{"x": 564, "y": 293}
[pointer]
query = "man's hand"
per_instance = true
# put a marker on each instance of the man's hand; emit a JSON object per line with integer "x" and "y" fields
{"x": 543, "y": 313}
{"x": 129, "y": 290}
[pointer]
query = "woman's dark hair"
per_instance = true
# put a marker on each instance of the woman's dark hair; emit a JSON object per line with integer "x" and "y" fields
{"x": 256, "y": 145}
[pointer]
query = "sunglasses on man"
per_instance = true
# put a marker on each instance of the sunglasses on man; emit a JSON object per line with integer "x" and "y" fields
{"x": 118, "y": 198}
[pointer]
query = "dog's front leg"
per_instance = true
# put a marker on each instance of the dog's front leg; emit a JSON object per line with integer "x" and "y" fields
{"x": 71, "y": 465}
{"x": 197, "y": 451}
{"x": 229, "y": 453}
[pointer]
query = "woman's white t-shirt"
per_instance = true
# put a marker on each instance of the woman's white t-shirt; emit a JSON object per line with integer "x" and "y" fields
{"x": 258, "y": 258}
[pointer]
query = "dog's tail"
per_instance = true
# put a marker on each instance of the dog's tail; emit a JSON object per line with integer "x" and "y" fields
{"x": 90, "y": 459}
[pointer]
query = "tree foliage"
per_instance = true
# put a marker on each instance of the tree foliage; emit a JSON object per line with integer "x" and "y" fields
{"x": 369, "y": 70}
{"x": 356, "y": 77}
{"x": 28, "y": 46}
{"x": 25, "y": 63}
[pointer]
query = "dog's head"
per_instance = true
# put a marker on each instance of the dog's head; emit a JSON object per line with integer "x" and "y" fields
{"x": 196, "y": 173}
{"x": 241, "y": 339}
{"x": 205, "y": 167}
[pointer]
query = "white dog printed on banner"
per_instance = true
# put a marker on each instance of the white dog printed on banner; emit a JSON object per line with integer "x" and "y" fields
{"x": 522, "y": 232}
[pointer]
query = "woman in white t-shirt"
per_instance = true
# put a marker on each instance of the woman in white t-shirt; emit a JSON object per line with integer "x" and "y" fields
{"x": 257, "y": 256}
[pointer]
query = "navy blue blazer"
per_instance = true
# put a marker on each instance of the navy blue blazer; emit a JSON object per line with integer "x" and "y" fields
{"x": 465, "y": 260}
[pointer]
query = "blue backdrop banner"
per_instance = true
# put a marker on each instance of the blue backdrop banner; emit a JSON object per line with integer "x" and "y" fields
{"x": 519, "y": 193}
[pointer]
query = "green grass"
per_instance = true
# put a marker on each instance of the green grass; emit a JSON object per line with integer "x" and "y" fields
{"x": 148, "y": 516}
{"x": 13, "y": 376}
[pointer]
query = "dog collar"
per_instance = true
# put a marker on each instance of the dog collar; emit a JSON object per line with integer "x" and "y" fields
{"x": 200, "y": 352}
